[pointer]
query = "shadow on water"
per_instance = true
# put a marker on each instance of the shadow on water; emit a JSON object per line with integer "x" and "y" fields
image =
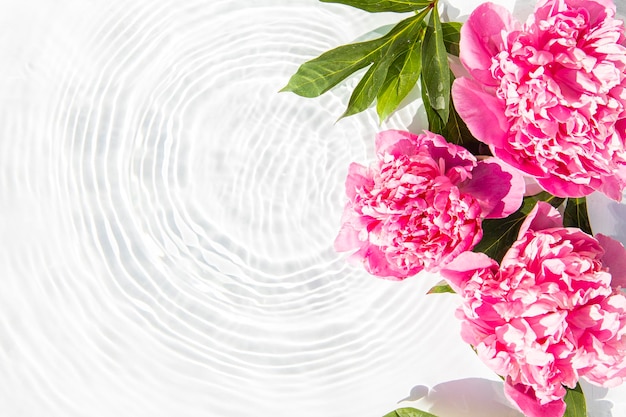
{"x": 472, "y": 397}
{"x": 469, "y": 397}
{"x": 607, "y": 216}
{"x": 597, "y": 405}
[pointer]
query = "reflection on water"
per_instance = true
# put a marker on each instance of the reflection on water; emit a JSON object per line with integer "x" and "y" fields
{"x": 168, "y": 218}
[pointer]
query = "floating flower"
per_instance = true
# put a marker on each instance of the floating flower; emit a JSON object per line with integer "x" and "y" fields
{"x": 550, "y": 313}
{"x": 549, "y": 96}
{"x": 421, "y": 203}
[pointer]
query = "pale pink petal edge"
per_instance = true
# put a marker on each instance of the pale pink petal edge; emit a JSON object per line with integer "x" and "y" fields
{"x": 542, "y": 216}
{"x": 498, "y": 187}
{"x": 481, "y": 111}
{"x": 482, "y": 38}
{"x": 460, "y": 270}
{"x": 528, "y": 403}
{"x": 614, "y": 259}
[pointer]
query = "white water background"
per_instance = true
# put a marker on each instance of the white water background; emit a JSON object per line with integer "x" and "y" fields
{"x": 167, "y": 219}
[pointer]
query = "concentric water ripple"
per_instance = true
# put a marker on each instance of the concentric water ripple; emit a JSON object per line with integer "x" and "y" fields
{"x": 168, "y": 220}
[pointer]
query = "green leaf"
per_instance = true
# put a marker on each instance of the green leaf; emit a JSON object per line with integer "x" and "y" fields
{"x": 576, "y": 214}
{"x": 409, "y": 412}
{"x": 375, "y": 6}
{"x": 372, "y": 82}
{"x": 441, "y": 288}
{"x": 435, "y": 68}
{"x": 319, "y": 75}
{"x": 456, "y": 131}
{"x": 499, "y": 234}
{"x": 451, "y": 36}
{"x": 367, "y": 89}
{"x": 435, "y": 124}
{"x": 575, "y": 402}
{"x": 401, "y": 77}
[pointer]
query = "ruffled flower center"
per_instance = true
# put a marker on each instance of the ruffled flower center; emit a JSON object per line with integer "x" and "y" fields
{"x": 562, "y": 81}
{"x": 419, "y": 216}
{"x": 544, "y": 312}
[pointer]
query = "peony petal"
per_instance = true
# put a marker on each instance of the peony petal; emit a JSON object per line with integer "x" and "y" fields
{"x": 614, "y": 259}
{"x": 481, "y": 39}
{"x": 532, "y": 186}
{"x": 347, "y": 239}
{"x": 396, "y": 143}
{"x": 458, "y": 272}
{"x": 526, "y": 400}
{"x": 528, "y": 165}
{"x": 498, "y": 188}
{"x": 542, "y": 216}
{"x": 559, "y": 188}
{"x": 598, "y": 10}
{"x": 452, "y": 155}
{"x": 357, "y": 178}
{"x": 482, "y": 112}
{"x": 613, "y": 185}
{"x": 376, "y": 263}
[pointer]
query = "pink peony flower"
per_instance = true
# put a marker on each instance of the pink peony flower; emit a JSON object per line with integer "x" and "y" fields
{"x": 550, "y": 313}
{"x": 549, "y": 96}
{"x": 421, "y": 203}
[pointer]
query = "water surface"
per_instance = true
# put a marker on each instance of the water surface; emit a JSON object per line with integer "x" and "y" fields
{"x": 168, "y": 219}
